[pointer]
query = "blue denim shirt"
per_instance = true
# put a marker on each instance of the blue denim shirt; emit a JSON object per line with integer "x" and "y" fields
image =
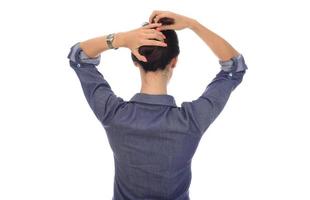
{"x": 152, "y": 139}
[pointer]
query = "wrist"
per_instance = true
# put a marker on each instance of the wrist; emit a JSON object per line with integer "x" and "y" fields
{"x": 119, "y": 40}
{"x": 192, "y": 24}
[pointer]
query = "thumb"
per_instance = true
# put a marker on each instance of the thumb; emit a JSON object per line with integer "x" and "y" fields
{"x": 139, "y": 56}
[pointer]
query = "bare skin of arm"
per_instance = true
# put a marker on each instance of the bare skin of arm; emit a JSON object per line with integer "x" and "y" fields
{"x": 219, "y": 46}
{"x": 130, "y": 39}
{"x": 145, "y": 36}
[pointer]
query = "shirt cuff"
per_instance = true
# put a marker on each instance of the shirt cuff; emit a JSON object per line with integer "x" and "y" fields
{"x": 235, "y": 64}
{"x": 78, "y": 56}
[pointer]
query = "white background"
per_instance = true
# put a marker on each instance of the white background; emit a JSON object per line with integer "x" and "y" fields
{"x": 53, "y": 147}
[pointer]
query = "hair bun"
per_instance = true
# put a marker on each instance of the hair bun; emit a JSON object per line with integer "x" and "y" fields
{"x": 166, "y": 21}
{"x": 157, "y": 56}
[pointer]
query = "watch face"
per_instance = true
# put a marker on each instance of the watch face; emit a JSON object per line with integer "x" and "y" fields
{"x": 110, "y": 37}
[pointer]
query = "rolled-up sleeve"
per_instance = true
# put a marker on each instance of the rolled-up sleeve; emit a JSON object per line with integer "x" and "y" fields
{"x": 99, "y": 95}
{"x": 205, "y": 109}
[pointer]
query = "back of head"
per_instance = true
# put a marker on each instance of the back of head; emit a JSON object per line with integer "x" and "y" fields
{"x": 158, "y": 57}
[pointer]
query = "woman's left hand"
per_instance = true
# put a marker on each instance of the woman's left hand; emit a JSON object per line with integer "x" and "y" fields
{"x": 147, "y": 35}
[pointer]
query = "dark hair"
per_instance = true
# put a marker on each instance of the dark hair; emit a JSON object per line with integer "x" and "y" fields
{"x": 158, "y": 57}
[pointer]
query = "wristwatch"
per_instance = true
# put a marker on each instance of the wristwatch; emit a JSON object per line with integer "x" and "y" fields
{"x": 109, "y": 40}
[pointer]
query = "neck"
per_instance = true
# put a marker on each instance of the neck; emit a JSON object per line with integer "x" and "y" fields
{"x": 155, "y": 90}
{"x": 154, "y": 84}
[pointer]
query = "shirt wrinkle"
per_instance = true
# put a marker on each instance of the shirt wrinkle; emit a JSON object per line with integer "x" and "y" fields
{"x": 153, "y": 140}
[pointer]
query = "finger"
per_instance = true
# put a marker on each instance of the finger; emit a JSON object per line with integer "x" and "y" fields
{"x": 139, "y": 56}
{"x": 153, "y": 25}
{"x": 154, "y": 43}
{"x": 155, "y": 36}
{"x": 154, "y": 13}
{"x": 154, "y": 31}
{"x": 165, "y": 27}
{"x": 159, "y": 16}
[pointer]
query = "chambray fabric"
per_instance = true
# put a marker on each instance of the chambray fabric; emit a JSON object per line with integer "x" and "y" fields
{"x": 152, "y": 139}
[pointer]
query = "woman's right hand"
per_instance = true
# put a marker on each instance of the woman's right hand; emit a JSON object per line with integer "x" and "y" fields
{"x": 146, "y": 35}
{"x": 180, "y": 21}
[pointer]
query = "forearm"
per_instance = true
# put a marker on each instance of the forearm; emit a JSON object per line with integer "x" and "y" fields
{"x": 95, "y": 46}
{"x": 220, "y": 47}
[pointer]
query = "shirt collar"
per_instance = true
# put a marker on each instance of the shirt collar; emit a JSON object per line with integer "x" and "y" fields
{"x": 158, "y": 99}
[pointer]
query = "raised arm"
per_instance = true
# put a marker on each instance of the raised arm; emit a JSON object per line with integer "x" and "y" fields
{"x": 203, "y": 111}
{"x": 220, "y": 47}
{"x": 130, "y": 39}
{"x": 85, "y": 57}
